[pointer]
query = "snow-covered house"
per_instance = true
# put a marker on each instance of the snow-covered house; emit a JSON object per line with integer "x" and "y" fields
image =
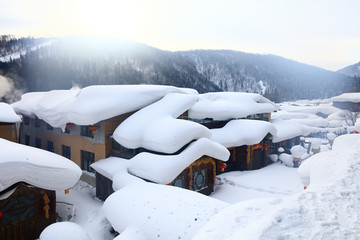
{"x": 174, "y": 151}
{"x": 29, "y": 178}
{"x": 214, "y": 110}
{"x": 347, "y": 101}
{"x": 8, "y": 120}
{"x": 288, "y": 134}
{"x": 248, "y": 142}
{"x": 79, "y": 123}
{"x": 238, "y": 121}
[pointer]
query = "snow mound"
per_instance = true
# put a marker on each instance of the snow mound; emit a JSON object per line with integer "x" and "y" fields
{"x": 64, "y": 230}
{"x": 242, "y": 132}
{"x": 297, "y": 151}
{"x": 7, "y": 114}
{"x": 171, "y": 213}
{"x": 331, "y": 136}
{"x": 91, "y": 104}
{"x": 315, "y": 143}
{"x": 230, "y": 105}
{"x": 43, "y": 169}
{"x": 156, "y": 128}
{"x": 286, "y": 159}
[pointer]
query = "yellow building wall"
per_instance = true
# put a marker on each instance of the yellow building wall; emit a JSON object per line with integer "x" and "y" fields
{"x": 76, "y": 143}
{"x": 109, "y": 127}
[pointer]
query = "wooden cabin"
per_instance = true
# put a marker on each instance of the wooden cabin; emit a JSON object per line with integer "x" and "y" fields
{"x": 285, "y": 144}
{"x": 8, "y": 122}
{"x": 199, "y": 176}
{"x": 8, "y": 131}
{"x": 347, "y": 101}
{"x": 25, "y": 211}
{"x": 246, "y": 157}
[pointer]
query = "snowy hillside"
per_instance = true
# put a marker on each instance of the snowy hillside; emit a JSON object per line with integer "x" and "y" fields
{"x": 352, "y": 70}
{"x": 84, "y": 62}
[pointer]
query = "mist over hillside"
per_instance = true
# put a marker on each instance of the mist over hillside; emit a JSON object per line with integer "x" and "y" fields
{"x": 83, "y": 61}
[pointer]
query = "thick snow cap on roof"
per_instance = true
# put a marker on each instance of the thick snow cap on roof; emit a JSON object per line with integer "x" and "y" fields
{"x": 242, "y": 132}
{"x": 156, "y": 128}
{"x": 347, "y": 97}
{"x": 159, "y": 211}
{"x": 326, "y": 109}
{"x": 92, "y": 104}
{"x": 20, "y": 163}
{"x": 7, "y": 114}
{"x": 158, "y": 168}
{"x": 230, "y": 105}
{"x": 287, "y": 129}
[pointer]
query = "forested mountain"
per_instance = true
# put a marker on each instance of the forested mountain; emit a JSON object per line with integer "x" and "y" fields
{"x": 82, "y": 61}
{"x": 352, "y": 70}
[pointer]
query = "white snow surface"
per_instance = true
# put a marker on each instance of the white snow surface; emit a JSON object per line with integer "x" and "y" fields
{"x": 160, "y": 211}
{"x": 157, "y": 128}
{"x": 328, "y": 209}
{"x": 64, "y": 230}
{"x": 347, "y": 97}
{"x": 43, "y": 169}
{"x": 242, "y": 132}
{"x": 297, "y": 151}
{"x": 324, "y": 108}
{"x": 230, "y": 105}
{"x": 157, "y": 168}
{"x": 7, "y": 114}
{"x": 91, "y": 104}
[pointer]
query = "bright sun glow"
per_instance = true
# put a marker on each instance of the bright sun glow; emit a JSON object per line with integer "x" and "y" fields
{"x": 109, "y": 17}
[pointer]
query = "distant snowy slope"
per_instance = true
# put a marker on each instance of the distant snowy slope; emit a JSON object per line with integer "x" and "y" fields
{"x": 352, "y": 70}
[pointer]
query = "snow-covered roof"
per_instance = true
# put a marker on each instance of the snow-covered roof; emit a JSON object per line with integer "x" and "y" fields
{"x": 242, "y": 132}
{"x": 309, "y": 108}
{"x": 92, "y": 104}
{"x": 156, "y": 128}
{"x": 7, "y": 114}
{"x": 159, "y": 211}
{"x": 230, "y": 105}
{"x": 20, "y": 163}
{"x": 347, "y": 97}
{"x": 158, "y": 168}
{"x": 287, "y": 129}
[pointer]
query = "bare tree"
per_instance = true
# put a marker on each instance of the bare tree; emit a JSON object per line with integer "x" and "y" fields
{"x": 350, "y": 117}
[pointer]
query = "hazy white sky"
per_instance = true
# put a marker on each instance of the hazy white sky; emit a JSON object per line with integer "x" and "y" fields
{"x": 324, "y": 33}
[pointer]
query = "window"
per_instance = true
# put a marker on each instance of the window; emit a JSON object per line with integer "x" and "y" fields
{"x": 85, "y": 131}
{"x": 38, "y": 142}
{"x": 199, "y": 179}
{"x": 26, "y": 120}
{"x": 66, "y": 151}
{"x": 179, "y": 182}
{"x": 27, "y": 140}
{"x": 67, "y": 130}
{"x": 50, "y": 146}
{"x": 49, "y": 127}
{"x": 87, "y": 158}
{"x": 37, "y": 123}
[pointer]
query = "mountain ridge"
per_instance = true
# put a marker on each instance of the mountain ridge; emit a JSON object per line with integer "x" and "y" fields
{"x": 83, "y": 61}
